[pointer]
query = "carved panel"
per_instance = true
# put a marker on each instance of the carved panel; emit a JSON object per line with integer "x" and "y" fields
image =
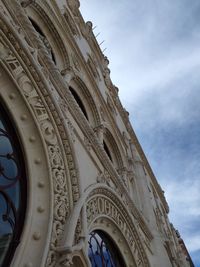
{"x": 102, "y": 203}
{"x": 49, "y": 132}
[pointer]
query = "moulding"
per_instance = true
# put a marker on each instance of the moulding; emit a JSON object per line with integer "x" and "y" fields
{"x": 14, "y": 88}
{"x": 51, "y": 126}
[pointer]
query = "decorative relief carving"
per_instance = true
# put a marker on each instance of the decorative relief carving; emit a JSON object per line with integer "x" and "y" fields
{"x": 105, "y": 178}
{"x": 76, "y": 64}
{"x": 47, "y": 18}
{"x": 106, "y": 73}
{"x": 49, "y": 132}
{"x": 102, "y": 112}
{"x": 27, "y": 3}
{"x": 86, "y": 30}
{"x": 87, "y": 143}
{"x": 71, "y": 24}
{"x": 101, "y": 178}
{"x": 111, "y": 105}
{"x": 67, "y": 73}
{"x": 4, "y": 52}
{"x": 123, "y": 174}
{"x": 74, "y": 6}
{"x": 61, "y": 201}
{"x": 99, "y": 130}
{"x": 71, "y": 130}
{"x": 78, "y": 232}
{"x": 92, "y": 64}
{"x": 107, "y": 205}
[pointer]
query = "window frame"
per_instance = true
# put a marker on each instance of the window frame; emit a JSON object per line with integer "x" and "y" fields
{"x": 21, "y": 214}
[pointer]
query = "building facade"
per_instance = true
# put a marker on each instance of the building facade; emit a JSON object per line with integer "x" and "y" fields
{"x": 75, "y": 186}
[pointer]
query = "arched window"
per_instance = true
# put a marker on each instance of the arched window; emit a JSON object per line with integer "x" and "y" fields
{"x": 44, "y": 39}
{"x": 103, "y": 252}
{"x": 107, "y": 150}
{"x": 79, "y": 101}
{"x": 111, "y": 148}
{"x": 12, "y": 190}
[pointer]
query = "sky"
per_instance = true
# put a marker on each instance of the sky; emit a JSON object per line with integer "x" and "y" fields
{"x": 154, "y": 53}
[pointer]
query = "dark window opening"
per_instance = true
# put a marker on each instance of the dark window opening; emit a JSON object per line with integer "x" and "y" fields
{"x": 44, "y": 39}
{"x": 102, "y": 251}
{"x": 107, "y": 150}
{"x": 79, "y": 101}
{"x": 13, "y": 190}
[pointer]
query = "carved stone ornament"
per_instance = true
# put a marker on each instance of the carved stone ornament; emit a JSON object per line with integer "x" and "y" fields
{"x": 97, "y": 202}
{"x": 111, "y": 105}
{"x": 26, "y": 3}
{"x": 33, "y": 96}
{"x": 86, "y": 30}
{"x": 4, "y": 52}
{"x": 75, "y": 62}
{"x": 71, "y": 23}
{"x": 87, "y": 143}
{"x": 123, "y": 174}
{"x": 92, "y": 64}
{"x": 102, "y": 203}
{"x": 74, "y": 6}
{"x": 61, "y": 201}
{"x": 107, "y": 79}
{"x": 104, "y": 178}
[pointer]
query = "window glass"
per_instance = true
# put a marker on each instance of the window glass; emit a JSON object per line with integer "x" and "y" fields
{"x": 103, "y": 252}
{"x": 12, "y": 190}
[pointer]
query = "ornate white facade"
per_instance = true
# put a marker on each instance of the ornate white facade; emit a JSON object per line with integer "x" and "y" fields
{"x": 85, "y": 168}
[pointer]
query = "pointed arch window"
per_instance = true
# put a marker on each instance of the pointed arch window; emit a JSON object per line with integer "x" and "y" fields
{"x": 79, "y": 101}
{"x": 103, "y": 252}
{"x": 112, "y": 150}
{"x": 12, "y": 189}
